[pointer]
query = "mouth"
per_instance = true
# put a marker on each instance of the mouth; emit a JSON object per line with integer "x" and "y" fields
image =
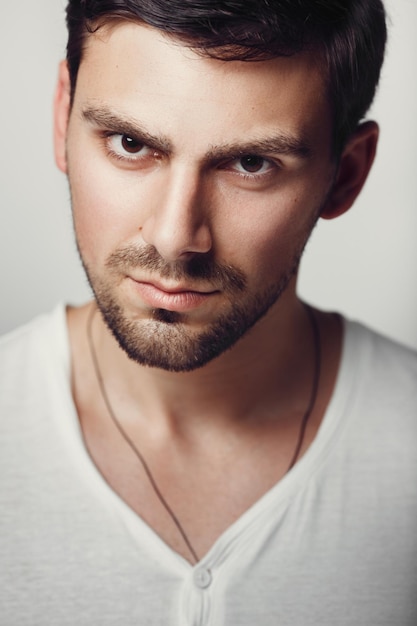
{"x": 171, "y": 298}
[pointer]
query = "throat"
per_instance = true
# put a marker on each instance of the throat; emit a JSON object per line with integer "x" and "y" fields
{"x": 191, "y": 485}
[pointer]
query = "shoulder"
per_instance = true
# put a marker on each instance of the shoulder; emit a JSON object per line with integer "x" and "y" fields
{"x": 25, "y": 351}
{"x": 380, "y": 359}
{"x": 24, "y": 336}
{"x": 382, "y": 385}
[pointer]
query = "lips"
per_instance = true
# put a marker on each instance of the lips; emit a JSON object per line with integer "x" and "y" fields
{"x": 179, "y": 299}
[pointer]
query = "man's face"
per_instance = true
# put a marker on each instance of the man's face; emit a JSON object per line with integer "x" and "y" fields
{"x": 195, "y": 184}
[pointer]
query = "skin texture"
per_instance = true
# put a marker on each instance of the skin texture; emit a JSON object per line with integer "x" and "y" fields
{"x": 195, "y": 184}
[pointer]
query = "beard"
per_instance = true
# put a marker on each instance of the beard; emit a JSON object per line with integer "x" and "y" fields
{"x": 164, "y": 340}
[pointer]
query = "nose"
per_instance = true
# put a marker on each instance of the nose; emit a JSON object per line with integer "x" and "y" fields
{"x": 177, "y": 224}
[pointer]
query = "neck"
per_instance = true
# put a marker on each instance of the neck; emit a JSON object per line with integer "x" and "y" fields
{"x": 277, "y": 376}
{"x": 214, "y": 440}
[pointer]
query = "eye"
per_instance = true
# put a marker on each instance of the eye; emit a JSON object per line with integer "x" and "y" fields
{"x": 130, "y": 145}
{"x": 124, "y": 146}
{"x": 252, "y": 164}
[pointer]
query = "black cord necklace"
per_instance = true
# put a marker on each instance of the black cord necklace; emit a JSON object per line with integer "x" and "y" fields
{"x": 314, "y": 387}
{"x": 139, "y": 455}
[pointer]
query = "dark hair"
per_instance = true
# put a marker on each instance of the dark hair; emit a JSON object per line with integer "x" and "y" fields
{"x": 348, "y": 35}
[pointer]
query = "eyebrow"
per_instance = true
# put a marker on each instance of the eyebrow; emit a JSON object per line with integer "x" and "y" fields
{"x": 278, "y": 144}
{"x": 104, "y": 118}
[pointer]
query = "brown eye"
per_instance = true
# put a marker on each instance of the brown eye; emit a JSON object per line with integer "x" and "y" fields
{"x": 252, "y": 163}
{"x": 131, "y": 145}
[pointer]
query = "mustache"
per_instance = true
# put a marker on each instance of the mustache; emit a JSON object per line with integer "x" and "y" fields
{"x": 202, "y": 267}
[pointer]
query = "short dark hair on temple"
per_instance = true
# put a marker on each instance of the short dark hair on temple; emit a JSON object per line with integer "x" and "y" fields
{"x": 348, "y": 36}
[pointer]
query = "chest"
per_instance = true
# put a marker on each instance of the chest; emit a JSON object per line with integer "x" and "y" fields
{"x": 191, "y": 494}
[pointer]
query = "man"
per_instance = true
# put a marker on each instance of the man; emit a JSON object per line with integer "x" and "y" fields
{"x": 197, "y": 446}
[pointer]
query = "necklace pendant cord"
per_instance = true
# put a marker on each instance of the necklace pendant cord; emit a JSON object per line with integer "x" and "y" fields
{"x": 139, "y": 455}
{"x": 314, "y": 388}
{"x": 130, "y": 442}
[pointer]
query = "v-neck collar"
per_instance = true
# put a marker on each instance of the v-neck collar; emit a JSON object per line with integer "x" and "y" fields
{"x": 254, "y": 522}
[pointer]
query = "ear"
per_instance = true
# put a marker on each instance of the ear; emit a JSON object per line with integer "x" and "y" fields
{"x": 354, "y": 166}
{"x": 62, "y": 106}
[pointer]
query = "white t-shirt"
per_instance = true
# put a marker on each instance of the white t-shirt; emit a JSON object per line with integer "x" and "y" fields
{"x": 334, "y": 543}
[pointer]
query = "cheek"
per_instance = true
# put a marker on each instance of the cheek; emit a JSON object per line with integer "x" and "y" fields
{"x": 267, "y": 232}
{"x": 105, "y": 208}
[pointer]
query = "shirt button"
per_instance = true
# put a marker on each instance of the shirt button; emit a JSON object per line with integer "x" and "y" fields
{"x": 202, "y": 578}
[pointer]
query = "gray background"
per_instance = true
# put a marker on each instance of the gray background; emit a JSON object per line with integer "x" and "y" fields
{"x": 363, "y": 264}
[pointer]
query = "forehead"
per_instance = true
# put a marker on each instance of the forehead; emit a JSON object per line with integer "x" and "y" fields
{"x": 140, "y": 72}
